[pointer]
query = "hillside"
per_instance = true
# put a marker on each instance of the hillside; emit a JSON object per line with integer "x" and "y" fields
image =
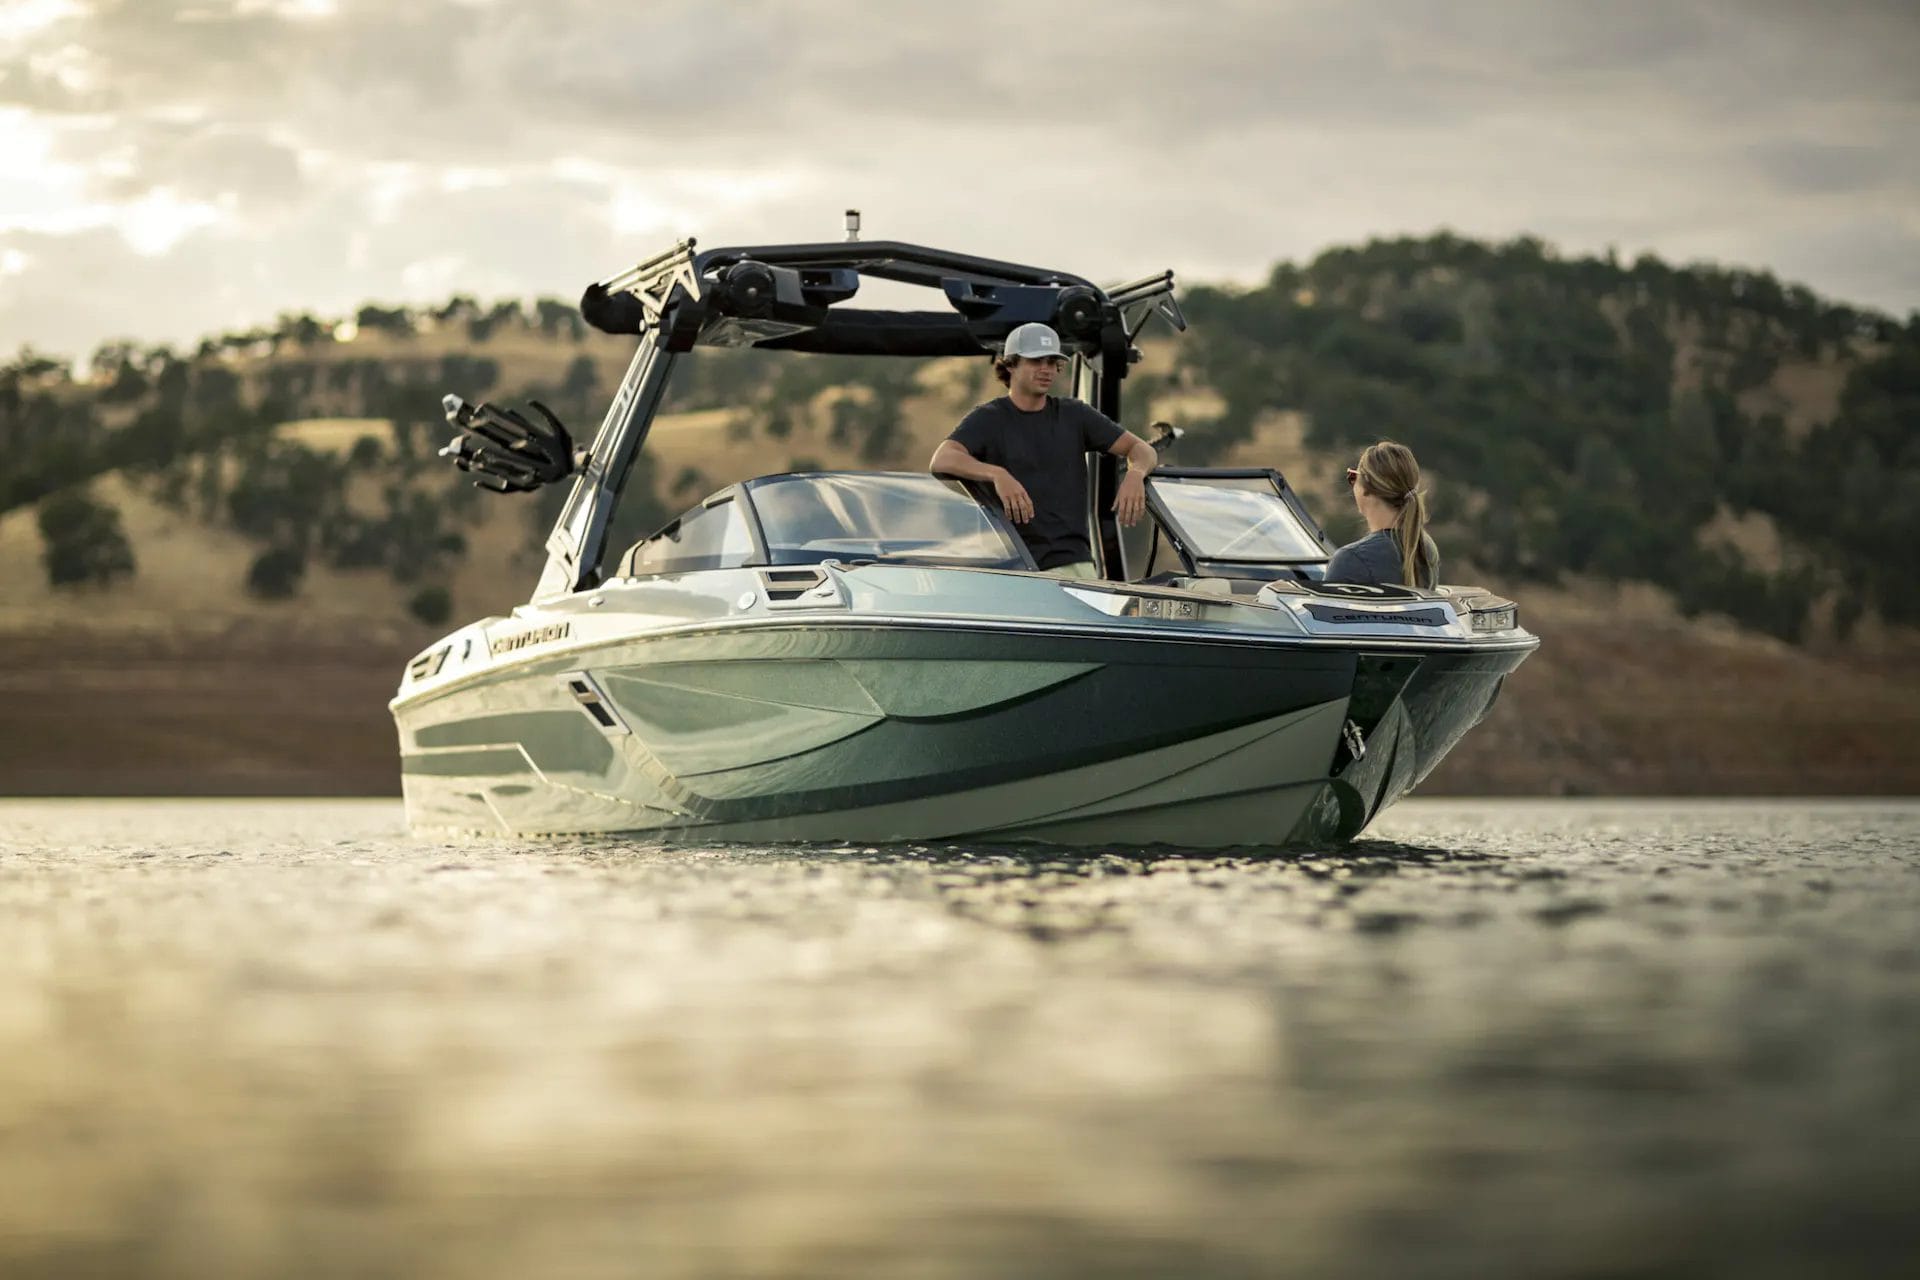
{"x": 261, "y": 523}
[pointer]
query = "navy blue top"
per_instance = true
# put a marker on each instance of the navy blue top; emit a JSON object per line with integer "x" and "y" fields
{"x": 1375, "y": 559}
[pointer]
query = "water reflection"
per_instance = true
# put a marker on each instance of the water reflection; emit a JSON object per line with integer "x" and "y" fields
{"x": 249, "y": 1040}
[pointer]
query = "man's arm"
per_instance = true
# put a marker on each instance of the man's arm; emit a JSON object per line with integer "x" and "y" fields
{"x": 952, "y": 459}
{"x": 1131, "y": 502}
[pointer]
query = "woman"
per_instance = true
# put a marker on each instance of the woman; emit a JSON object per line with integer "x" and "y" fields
{"x": 1386, "y": 489}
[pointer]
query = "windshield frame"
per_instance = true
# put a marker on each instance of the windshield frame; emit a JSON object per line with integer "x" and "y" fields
{"x": 1018, "y": 557}
{"x": 1273, "y": 483}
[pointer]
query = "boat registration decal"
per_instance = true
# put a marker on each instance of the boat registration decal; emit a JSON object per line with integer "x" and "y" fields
{"x": 523, "y": 639}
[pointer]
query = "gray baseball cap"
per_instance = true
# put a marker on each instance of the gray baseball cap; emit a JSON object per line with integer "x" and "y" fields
{"x": 1035, "y": 341}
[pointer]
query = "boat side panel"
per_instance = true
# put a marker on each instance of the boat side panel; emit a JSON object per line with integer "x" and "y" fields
{"x": 756, "y": 746}
{"x": 518, "y": 754}
{"x": 1246, "y": 786}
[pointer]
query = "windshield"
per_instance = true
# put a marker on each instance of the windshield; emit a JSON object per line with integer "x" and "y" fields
{"x": 809, "y": 518}
{"x": 1227, "y": 521}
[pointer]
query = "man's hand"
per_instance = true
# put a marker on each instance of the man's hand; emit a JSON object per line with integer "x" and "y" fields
{"x": 1131, "y": 502}
{"x": 1013, "y": 497}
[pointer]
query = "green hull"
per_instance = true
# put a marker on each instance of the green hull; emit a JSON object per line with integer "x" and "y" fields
{"x": 855, "y": 732}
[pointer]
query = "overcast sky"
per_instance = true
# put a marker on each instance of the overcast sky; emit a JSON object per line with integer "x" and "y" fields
{"x": 173, "y": 169}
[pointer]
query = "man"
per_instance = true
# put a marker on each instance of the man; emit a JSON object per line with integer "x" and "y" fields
{"x": 1031, "y": 448}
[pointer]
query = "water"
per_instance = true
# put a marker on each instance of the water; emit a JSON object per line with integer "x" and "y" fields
{"x": 1552, "y": 1039}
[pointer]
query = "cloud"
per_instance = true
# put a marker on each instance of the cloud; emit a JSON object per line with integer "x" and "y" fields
{"x": 379, "y": 150}
{"x": 1825, "y": 167}
{"x": 219, "y": 165}
{"x": 83, "y": 288}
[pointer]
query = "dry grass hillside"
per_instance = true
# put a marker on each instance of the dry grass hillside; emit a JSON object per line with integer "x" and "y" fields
{"x": 178, "y": 681}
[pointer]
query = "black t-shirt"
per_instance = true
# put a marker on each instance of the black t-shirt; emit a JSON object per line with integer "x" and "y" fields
{"x": 1045, "y": 450}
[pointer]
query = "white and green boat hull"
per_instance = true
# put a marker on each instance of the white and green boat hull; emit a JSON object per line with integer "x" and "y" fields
{"x": 765, "y": 728}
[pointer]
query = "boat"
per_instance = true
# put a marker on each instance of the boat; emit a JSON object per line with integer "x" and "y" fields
{"x": 849, "y": 656}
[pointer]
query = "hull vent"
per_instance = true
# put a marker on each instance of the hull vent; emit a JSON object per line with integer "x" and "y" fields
{"x": 586, "y": 692}
{"x": 428, "y": 664}
{"x": 801, "y": 587}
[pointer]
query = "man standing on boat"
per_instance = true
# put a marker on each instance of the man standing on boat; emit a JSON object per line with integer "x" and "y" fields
{"x": 1031, "y": 447}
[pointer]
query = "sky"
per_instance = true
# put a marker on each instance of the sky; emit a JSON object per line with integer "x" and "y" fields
{"x": 175, "y": 168}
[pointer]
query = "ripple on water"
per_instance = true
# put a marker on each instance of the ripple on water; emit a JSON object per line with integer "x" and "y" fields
{"x": 260, "y": 1038}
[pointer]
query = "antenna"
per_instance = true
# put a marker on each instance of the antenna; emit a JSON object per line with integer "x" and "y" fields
{"x": 853, "y": 224}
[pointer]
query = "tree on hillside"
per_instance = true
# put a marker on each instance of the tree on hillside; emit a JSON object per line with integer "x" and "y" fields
{"x": 170, "y": 482}
{"x": 458, "y": 309}
{"x": 83, "y": 541}
{"x": 722, "y": 378}
{"x": 433, "y": 605}
{"x": 286, "y": 493}
{"x": 117, "y": 366}
{"x": 576, "y": 399}
{"x": 49, "y": 438}
{"x": 557, "y": 319}
{"x": 482, "y": 327}
{"x": 172, "y": 380}
{"x": 155, "y": 438}
{"x": 30, "y": 366}
{"x": 471, "y": 377}
{"x": 129, "y": 384}
{"x": 582, "y": 380}
{"x": 416, "y": 537}
{"x": 366, "y": 454}
{"x": 396, "y": 321}
{"x": 301, "y": 329}
{"x": 111, "y": 357}
{"x": 276, "y": 572}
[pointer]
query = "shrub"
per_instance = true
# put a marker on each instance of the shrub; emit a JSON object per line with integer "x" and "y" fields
{"x": 83, "y": 541}
{"x": 432, "y": 605}
{"x": 276, "y": 573}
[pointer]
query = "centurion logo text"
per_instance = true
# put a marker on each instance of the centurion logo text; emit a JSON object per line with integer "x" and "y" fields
{"x": 522, "y": 639}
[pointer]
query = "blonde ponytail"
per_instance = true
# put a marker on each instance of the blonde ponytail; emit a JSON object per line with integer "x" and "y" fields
{"x": 1388, "y": 470}
{"x": 1410, "y": 531}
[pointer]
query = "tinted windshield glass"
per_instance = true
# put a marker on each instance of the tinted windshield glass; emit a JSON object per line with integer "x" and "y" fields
{"x": 865, "y": 517}
{"x": 1236, "y": 523}
{"x": 714, "y": 537}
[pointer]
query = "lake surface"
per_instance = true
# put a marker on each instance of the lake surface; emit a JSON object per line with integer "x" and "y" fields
{"x": 1493, "y": 1038}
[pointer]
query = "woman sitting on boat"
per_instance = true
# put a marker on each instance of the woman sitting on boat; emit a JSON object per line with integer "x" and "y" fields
{"x": 1387, "y": 490}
